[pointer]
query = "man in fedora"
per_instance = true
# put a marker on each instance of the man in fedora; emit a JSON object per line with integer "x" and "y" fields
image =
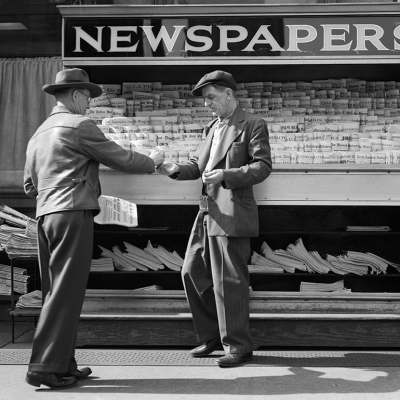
{"x": 234, "y": 156}
{"x": 62, "y": 173}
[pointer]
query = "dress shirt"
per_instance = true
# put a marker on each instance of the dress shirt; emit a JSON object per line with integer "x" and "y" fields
{"x": 218, "y": 132}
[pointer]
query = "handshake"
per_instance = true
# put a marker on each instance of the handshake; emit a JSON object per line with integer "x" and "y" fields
{"x": 163, "y": 167}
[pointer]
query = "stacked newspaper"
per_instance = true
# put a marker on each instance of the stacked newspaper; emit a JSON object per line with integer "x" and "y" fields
{"x": 20, "y": 279}
{"x": 13, "y": 217}
{"x": 171, "y": 260}
{"x": 360, "y": 228}
{"x": 151, "y": 287}
{"x": 20, "y": 245}
{"x": 312, "y": 260}
{"x": 120, "y": 262}
{"x": 5, "y": 233}
{"x": 104, "y": 264}
{"x": 323, "y": 287}
{"x": 283, "y": 259}
{"x": 143, "y": 257}
{"x": 359, "y": 263}
{"x": 261, "y": 264}
{"x": 5, "y": 290}
{"x": 31, "y": 228}
{"x": 152, "y": 257}
{"x": 30, "y": 300}
{"x": 17, "y": 233}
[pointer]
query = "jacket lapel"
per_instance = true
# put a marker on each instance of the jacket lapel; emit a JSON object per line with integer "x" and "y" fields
{"x": 232, "y": 131}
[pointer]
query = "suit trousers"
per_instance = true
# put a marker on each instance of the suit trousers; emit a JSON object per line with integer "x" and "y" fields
{"x": 65, "y": 241}
{"x": 216, "y": 280}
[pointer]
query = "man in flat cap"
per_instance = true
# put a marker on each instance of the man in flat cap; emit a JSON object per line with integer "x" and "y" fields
{"x": 234, "y": 156}
{"x": 62, "y": 173}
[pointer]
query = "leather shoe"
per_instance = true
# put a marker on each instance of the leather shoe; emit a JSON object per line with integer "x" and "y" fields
{"x": 206, "y": 348}
{"x": 233, "y": 359}
{"x": 79, "y": 374}
{"x": 53, "y": 381}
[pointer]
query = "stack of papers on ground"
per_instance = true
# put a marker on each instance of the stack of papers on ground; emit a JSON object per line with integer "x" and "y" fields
{"x": 19, "y": 245}
{"x": 323, "y": 287}
{"x": 142, "y": 257}
{"x": 313, "y": 261}
{"x": 104, "y": 264}
{"x": 368, "y": 228}
{"x": 171, "y": 260}
{"x": 30, "y": 300}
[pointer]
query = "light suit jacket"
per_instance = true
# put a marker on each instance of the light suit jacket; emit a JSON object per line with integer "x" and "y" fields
{"x": 62, "y": 163}
{"x": 245, "y": 156}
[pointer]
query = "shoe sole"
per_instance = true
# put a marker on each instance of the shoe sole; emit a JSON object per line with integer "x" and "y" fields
{"x": 37, "y": 384}
{"x": 232, "y": 365}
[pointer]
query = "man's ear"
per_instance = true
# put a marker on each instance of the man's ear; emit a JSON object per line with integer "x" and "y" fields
{"x": 75, "y": 94}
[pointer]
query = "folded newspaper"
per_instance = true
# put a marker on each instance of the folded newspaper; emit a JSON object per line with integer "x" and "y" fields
{"x": 115, "y": 211}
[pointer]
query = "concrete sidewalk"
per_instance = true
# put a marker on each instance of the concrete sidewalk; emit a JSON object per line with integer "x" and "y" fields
{"x": 208, "y": 382}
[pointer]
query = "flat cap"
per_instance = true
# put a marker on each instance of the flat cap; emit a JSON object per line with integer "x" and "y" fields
{"x": 219, "y": 77}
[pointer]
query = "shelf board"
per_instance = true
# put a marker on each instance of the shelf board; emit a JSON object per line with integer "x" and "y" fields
{"x": 285, "y": 274}
{"x": 311, "y": 232}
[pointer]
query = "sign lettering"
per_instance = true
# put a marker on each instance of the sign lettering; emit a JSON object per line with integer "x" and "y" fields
{"x": 230, "y": 36}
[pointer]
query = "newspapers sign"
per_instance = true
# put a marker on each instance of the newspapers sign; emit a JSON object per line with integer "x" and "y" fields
{"x": 261, "y": 36}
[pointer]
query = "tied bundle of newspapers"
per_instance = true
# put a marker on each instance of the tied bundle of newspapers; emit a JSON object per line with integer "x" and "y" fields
{"x": 296, "y": 256}
{"x": 132, "y": 258}
{"x": 18, "y": 233}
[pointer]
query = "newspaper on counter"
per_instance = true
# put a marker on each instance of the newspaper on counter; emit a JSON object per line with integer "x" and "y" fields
{"x": 115, "y": 211}
{"x": 323, "y": 287}
{"x": 30, "y": 300}
{"x": 367, "y": 228}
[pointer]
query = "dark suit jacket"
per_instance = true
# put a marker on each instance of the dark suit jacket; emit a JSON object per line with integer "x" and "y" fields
{"x": 62, "y": 163}
{"x": 245, "y": 156}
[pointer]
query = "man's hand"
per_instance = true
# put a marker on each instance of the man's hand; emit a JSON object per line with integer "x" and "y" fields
{"x": 157, "y": 157}
{"x": 167, "y": 168}
{"x": 214, "y": 176}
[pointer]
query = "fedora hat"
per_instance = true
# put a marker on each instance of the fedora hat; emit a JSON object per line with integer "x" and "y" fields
{"x": 73, "y": 78}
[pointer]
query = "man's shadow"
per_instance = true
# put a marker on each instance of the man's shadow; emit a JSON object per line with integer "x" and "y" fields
{"x": 263, "y": 379}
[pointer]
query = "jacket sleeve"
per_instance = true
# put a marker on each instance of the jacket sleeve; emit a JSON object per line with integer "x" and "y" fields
{"x": 259, "y": 165}
{"x": 29, "y": 187}
{"x": 189, "y": 170}
{"x": 95, "y": 145}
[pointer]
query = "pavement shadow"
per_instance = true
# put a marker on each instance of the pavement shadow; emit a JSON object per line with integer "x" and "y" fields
{"x": 277, "y": 380}
{"x": 301, "y": 381}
